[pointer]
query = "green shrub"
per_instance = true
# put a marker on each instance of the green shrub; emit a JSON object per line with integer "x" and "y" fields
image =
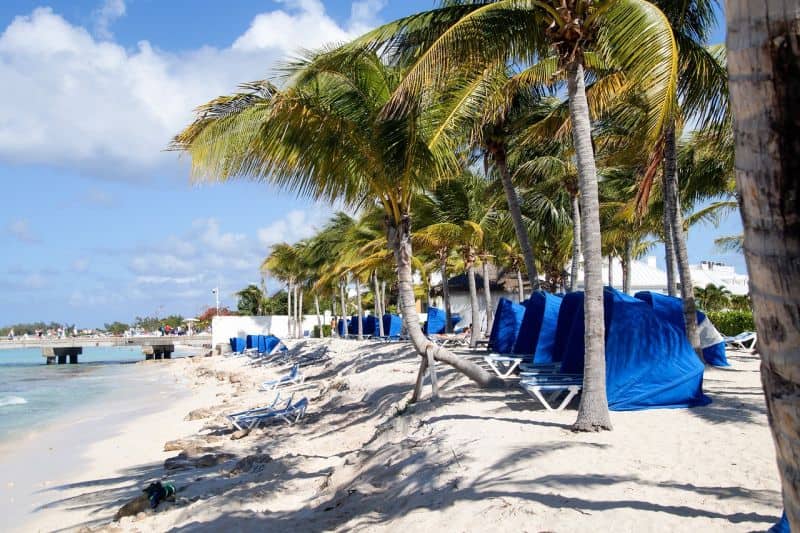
{"x": 732, "y": 322}
{"x": 326, "y": 329}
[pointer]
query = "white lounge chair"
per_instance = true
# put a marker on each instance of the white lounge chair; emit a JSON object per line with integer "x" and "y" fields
{"x": 292, "y": 378}
{"x": 502, "y": 365}
{"x": 547, "y": 388}
{"x": 743, "y": 341}
{"x": 289, "y": 414}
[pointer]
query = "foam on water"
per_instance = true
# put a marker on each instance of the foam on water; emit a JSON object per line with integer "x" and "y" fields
{"x": 12, "y": 400}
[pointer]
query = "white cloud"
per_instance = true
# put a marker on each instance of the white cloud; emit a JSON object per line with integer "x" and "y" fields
{"x": 20, "y": 230}
{"x": 104, "y": 16}
{"x": 161, "y": 262}
{"x": 216, "y": 241}
{"x": 34, "y": 281}
{"x": 98, "y": 107}
{"x": 296, "y": 225}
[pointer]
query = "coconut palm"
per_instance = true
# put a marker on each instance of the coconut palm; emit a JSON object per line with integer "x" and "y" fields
{"x": 328, "y": 136}
{"x": 631, "y": 35}
{"x": 251, "y": 300}
{"x": 763, "y": 66}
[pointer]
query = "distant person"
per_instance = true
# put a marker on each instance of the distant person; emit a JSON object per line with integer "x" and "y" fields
{"x": 11, "y": 334}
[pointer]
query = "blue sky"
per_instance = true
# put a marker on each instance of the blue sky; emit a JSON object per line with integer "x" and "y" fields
{"x": 98, "y": 222}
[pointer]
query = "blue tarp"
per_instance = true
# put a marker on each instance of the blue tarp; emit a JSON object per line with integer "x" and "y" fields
{"x": 251, "y": 342}
{"x": 436, "y": 321}
{"x": 238, "y": 345}
{"x": 270, "y": 342}
{"x": 342, "y": 327}
{"x": 570, "y": 318}
{"x": 670, "y": 308}
{"x": 392, "y": 326}
{"x": 367, "y": 325}
{"x": 506, "y": 326}
{"x": 537, "y": 334}
{"x": 370, "y": 325}
{"x": 649, "y": 363}
{"x": 781, "y": 526}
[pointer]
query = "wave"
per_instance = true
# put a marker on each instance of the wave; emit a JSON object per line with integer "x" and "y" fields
{"x": 12, "y": 400}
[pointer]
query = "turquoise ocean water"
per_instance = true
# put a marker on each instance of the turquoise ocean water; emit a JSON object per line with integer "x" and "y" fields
{"x": 33, "y": 394}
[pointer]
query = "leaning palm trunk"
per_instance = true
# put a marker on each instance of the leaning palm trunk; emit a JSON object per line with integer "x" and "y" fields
{"x": 360, "y": 310}
{"x": 516, "y": 217}
{"x": 764, "y": 70}
{"x": 679, "y": 240}
{"x": 319, "y": 317}
{"x": 487, "y": 294}
{"x": 520, "y": 286}
{"x": 448, "y": 312}
{"x": 474, "y": 306}
{"x": 576, "y": 243}
{"x": 593, "y": 411}
{"x": 378, "y": 310}
{"x": 399, "y": 238}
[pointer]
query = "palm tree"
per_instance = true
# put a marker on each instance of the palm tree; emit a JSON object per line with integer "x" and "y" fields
{"x": 251, "y": 300}
{"x": 283, "y": 264}
{"x": 763, "y": 65}
{"x": 328, "y": 135}
{"x": 632, "y": 35}
{"x": 712, "y": 298}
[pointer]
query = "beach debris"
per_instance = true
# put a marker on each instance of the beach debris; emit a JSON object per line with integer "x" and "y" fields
{"x": 252, "y": 464}
{"x": 186, "y": 460}
{"x": 240, "y": 434}
{"x": 199, "y": 414}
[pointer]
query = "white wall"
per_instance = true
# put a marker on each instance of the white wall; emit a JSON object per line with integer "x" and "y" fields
{"x": 225, "y": 327}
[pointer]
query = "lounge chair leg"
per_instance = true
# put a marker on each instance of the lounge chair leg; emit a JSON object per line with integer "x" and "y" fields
{"x": 434, "y": 382}
{"x": 423, "y": 365}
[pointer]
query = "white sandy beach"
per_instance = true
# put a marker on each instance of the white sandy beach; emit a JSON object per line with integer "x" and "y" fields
{"x": 474, "y": 461}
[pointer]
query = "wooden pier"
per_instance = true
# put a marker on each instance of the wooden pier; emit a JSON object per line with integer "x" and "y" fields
{"x": 63, "y": 351}
{"x": 54, "y": 354}
{"x": 158, "y": 351}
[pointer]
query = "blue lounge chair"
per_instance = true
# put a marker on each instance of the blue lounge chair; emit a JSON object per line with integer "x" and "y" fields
{"x": 290, "y": 414}
{"x": 292, "y": 378}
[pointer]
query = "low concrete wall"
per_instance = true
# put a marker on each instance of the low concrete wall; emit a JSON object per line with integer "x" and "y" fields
{"x": 225, "y": 327}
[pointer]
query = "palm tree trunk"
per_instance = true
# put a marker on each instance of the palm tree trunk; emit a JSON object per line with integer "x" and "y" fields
{"x": 626, "y": 267}
{"x": 383, "y": 296}
{"x": 669, "y": 249}
{"x": 576, "y": 243}
{"x": 593, "y": 411}
{"x": 474, "y": 305}
{"x": 300, "y": 313}
{"x": 343, "y": 300}
{"x": 289, "y": 310}
{"x": 520, "y": 286}
{"x": 764, "y": 71}
{"x": 319, "y": 317}
{"x": 611, "y": 271}
{"x": 487, "y": 294}
{"x": 335, "y": 310}
{"x": 516, "y": 216}
{"x": 448, "y": 312}
{"x": 429, "y": 301}
{"x": 378, "y": 310}
{"x": 360, "y": 324}
{"x": 679, "y": 240}
{"x": 399, "y": 238}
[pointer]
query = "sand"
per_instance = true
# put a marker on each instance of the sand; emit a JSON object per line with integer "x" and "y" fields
{"x": 363, "y": 459}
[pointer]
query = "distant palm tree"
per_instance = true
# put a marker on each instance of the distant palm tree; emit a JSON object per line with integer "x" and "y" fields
{"x": 251, "y": 300}
{"x": 712, "y": 297}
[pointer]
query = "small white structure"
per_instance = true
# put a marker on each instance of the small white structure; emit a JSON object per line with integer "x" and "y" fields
{"x": 223, "y": 328}
{"x": 721, "y": 275}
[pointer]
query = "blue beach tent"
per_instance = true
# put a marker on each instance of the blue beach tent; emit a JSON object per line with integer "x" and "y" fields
{"x": 649, "y": 363}
{"x": 781, "y": 526}
{"x": 272, "y": 343}
{"x": 436, "y": 321}
{"x": 537, "y": 333}
{"x": 251, "y": 342}
{"x": 342, "y": 327}
{"x": 570, "y": 318}
{"x": 506, "y": 326}
{"x": 370, "y": 325}
{"x": 670, "y": 308}
{"x": 237, "y": 344}
{"x": 392, "y": 326}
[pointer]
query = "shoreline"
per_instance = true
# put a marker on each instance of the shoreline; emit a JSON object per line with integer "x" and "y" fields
{"x": 363, "y": 459}
{"x": 45, "y": 467}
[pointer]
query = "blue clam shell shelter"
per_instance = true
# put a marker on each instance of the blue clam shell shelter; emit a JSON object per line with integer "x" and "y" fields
{"x": 670, "y": 308}
{"x": 537, "y": 334}
{"x": 435, "y": 325}
{"x": 392, "y": 326}
{"x": 649, "y": 362}
{"x": 506, "y": 326}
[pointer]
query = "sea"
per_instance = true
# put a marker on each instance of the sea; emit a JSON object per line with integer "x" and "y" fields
{"x": 34, "y": 395}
